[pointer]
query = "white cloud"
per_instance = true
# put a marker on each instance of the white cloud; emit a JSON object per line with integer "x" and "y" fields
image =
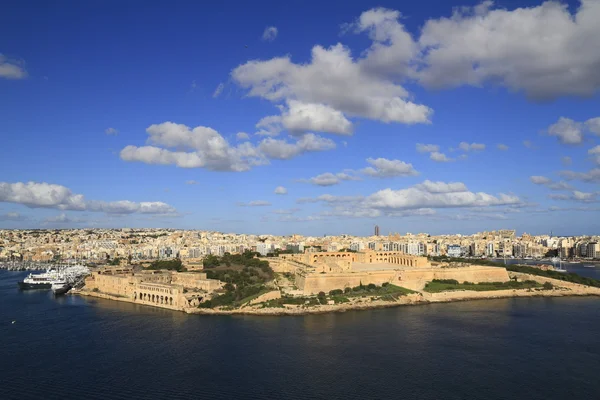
{"x": 293, "y": 218}
{"x": 594, "y": 150}
{"x": 549, "y": 183}
{"x": 270, "y": 33}
{"x": 255, "y": 203}
{"x": 330, "y": 179}
{"x": 440, "y": 157}
{"x": 242, "y": 136}
{"x": 11, "y": 69}
{"x": 280, "y": 190}
{"x": 464, "y": 146}
{"x": 427, "y": 148}
{"x": 269, "y": 125}
{"x": 422, "y": 197}
{"x": 111, "y": 131}
{"x": 191, "y": 182}
{"x": 210, "y": 149}
{"x": 283, "y": 150}
{"x": 384, "y": 168}
{"x": 540, "y": 180}
{"x": 567, "y": 131}
{"x": 301, "y": 117}
{"x": 45, "y": 195}
{"x": 324, "y": 80}
{"x": 544, "y": 51}
{"x": 286, "y": 211}
{"x": 218, "y": 90}
{"x": 566, "y": 160}
{"x": 529, "y": 144}
{"x": 442, "y": 187}
{"x": 583, "y": 197}
{"x": 502, "y": 147}
{"x": 593, "y": 125}
{"x": 592, "y": 176}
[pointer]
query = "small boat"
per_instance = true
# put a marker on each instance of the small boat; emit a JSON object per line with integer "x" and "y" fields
{"x": 589, "y": 266}
{"x": 560, "y": 270}
{"x": 60, "y": 287}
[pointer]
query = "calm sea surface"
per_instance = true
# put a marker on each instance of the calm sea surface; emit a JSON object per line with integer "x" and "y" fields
{"x": 81, "y": 348}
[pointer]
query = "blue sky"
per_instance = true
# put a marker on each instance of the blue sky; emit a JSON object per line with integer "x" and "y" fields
{"x": 148, "y": 114}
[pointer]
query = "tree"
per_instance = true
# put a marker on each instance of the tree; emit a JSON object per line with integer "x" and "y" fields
{"x": 322, "y": 297}
{"x": 548, "y": 286}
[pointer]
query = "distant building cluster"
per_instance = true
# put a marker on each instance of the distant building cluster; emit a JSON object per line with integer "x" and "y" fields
{"x": 99, "y": 245}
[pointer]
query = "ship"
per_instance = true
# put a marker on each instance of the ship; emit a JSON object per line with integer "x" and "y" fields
{"x": 39, "y": 281}
{"x": 60, "y": 287}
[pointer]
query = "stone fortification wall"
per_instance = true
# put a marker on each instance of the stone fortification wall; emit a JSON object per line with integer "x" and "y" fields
{"x": 196, "y": 281}
{"x": 415, "y": 279}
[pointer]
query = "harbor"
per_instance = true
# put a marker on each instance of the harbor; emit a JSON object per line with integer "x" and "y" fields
{"x": 59, "y": 278}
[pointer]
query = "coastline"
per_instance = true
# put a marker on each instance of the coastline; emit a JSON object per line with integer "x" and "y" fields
{"x": 561, "y": 289}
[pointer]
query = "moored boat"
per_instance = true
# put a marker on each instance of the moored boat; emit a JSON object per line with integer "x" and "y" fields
{"x": 39, "y": 281}
{"x": 60, "y": 287}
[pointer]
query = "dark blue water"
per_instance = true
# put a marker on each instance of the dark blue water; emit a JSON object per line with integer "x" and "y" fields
{"x": 98, "y": 349}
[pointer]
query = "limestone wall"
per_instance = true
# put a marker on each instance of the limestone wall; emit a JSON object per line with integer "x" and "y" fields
{"x": 413, "y": 278}
{"x": 196, "y": 281}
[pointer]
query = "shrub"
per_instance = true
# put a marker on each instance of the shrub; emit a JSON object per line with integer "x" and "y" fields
{"x": 548, "y": 286}
{"x": 371, "y": 286}
{"x": 335, "y": 292}
{"x": 384, "y": 284}
{"x": 347, "y": 290}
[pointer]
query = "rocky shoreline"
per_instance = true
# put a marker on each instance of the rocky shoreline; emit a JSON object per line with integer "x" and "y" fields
{"x": 561, "y": 289}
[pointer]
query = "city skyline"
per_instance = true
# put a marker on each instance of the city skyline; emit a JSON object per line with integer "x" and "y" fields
{"x": 208, "y": 117}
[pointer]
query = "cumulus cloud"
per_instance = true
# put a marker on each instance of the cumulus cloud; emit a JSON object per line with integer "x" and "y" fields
{"x": 218, "y": 90}
{"x": 595, "y": 153}
{"x": 592, "y": 176}
{"x": 324, "y": 81}
{"x": 191, "y": 182}
{"x": 384, "y": 168}
{"x": 284, "y": 150}
{"x": 502, "y": 147}
{"x": 301, "y": 117}
{"x": 567, "y": 131}
{"x": 11, "y": 68}
{"x": 242, "y": 136}
{"x": 549, "y": 183}
{"x": 269, "y": 126}
{"x": 111, "y": 131}
{"x": 540, "y": 180}
{"x": 427, "y": 148}
{"x": 464, "y": 146}
{"x": 545, "y": 51}
{"x": 270, "y": 33}
{"x": 280, "y": 190}
{"x": 211, "y": 151}
{"x": 593, "y": 125}
{"x": 583, "y": 197}
{"x": 421, "y": 199}
{"x": 440, "y": 157}
{"x": 46, "y": 195}
{"x": 330, "y": 179}
{"x": 255, "y": 203}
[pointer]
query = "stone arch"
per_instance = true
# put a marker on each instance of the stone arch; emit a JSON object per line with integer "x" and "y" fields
{"x": 134, "y": 295}
{"x": 153, "y": 298}
{"x": 170, "y": 300}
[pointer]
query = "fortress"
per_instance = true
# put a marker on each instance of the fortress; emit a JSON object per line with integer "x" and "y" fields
{"x": 316, "y": 272}
{"x": 167, "y": 289}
